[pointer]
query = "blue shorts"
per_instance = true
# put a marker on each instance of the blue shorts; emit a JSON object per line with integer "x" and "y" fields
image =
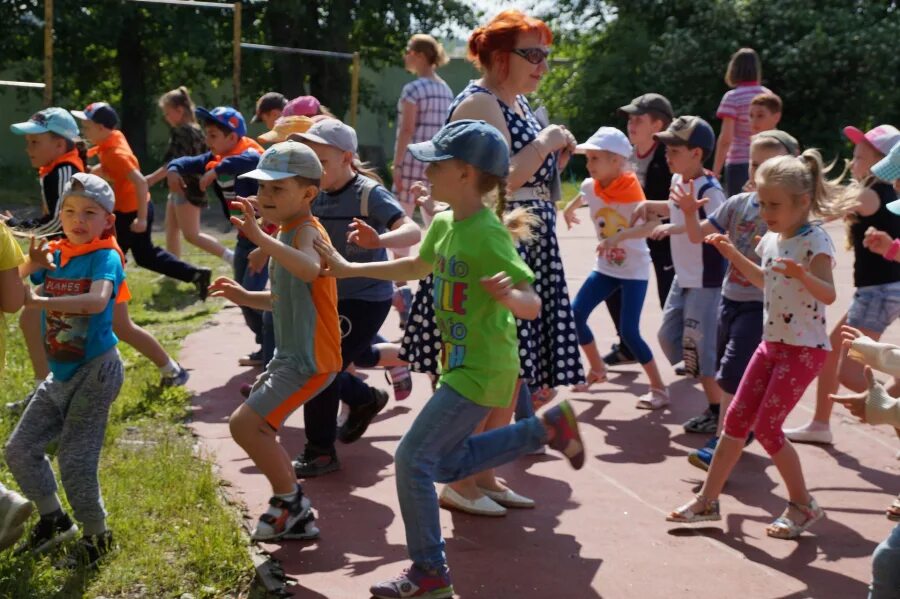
{"x": 688, "y": 330}
{"x": 874, "y": 307}
{"x": 740, "y": 333}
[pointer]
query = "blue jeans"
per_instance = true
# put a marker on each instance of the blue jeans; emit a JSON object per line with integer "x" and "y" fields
{"x": 736, "y": 176}
{"x": 251, "y": 281}
{"x": 439, "y": 447}
{"x": 596, "y": 288}
{"x": 886, "y": 568}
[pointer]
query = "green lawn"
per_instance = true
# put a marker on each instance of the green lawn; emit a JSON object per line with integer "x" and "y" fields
{"x": 175, "y": 533}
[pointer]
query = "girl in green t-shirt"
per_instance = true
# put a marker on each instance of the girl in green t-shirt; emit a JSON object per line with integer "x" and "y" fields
{"x": 481, "y": 286}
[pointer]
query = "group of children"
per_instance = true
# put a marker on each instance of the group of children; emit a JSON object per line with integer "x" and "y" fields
{"x": 744, "y": 312}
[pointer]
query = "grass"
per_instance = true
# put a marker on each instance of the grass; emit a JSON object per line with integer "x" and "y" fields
{"x": 174, "y": 532}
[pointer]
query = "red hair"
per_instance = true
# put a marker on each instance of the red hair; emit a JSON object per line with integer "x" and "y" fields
{"x": 500, "y": 35}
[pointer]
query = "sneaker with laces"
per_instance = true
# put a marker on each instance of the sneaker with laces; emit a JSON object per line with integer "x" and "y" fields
{"x": 361, "y": 416}
{"x": 704, "y": 423}
{"x": 399, "y": 378}
{"x": 619, "y": 356}
{"x": 50, "y": 531}
{"x": 312, "y": 463}
{"x": 702, "y": 458}
{"x": 295, "y": 520}
{"x": 416, "y": 582}
{"x": 201, "y": 282}
{"x": 177, "y": 379}
{"x": 566, "y": 438}
{"x": 14, "y": 511}
{"x": 88, "y": 552}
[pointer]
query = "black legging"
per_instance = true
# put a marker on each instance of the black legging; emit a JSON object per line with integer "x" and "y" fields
{"x": 145, "y": 253}
{"x": 360, "y": 323}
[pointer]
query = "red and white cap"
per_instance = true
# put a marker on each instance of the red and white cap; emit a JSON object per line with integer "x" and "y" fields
{"x": 882, "y": 137}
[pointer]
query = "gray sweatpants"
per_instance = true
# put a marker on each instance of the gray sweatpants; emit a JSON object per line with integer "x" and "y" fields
{"x": 75, "y": 412}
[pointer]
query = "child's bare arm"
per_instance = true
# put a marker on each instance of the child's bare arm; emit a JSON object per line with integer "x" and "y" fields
{"x": 401, "y": 269}
{"x": 521, "y": 299}
{"x": 12, "y": 291}
{"x": 235, "y": 293}
{"x": 92, "y": 302}
{"x": 650, "y": 210}
{"x": 818, "y": 278}
{"x": 569, "y": 211}
{"x": 301, "y": 261}
{"x": 747, "y": 267}
{"x": 142, "y": 192}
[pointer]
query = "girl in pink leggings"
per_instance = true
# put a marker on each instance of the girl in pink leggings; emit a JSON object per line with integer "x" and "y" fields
{"x": 795, "y": 274}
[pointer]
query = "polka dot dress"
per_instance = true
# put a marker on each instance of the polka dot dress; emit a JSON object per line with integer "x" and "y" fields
{"x": 548, "y": 345}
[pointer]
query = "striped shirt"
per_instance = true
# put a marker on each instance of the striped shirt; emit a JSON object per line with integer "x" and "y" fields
{"x": 432, "y": 98}
{"x": 735, "y": 105}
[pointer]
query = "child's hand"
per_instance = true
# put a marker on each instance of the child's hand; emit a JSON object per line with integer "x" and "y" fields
{"x": 229, "y": 289}
{"x": 335, "y": 265}
{"x": 39, "y": 254}
{"x": 499, "y": 286}
{"x": 722, "y": 243}
{"x": 789, "y": 268}
{"x": 608, "y": 243}
{"x": 257, "y": 260}
{"x": 207, "y": 179}
{"x": 687, "y": 200}
{"x": 175, "y": 182}
{"x": 138, "y": 225}
{"x": 662, "y": 231}
{"x": 570, "y": 217}
{"x": 363, "y": 235}
{"x": 856, "y": 402}
{"x": 877, "y": 241}
{"x": 247, "y": 225}
{"x": 643, "y": 212}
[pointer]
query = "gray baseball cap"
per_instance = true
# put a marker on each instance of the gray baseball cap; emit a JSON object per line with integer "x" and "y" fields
{"x": 330, "y": 132}
{"x": 285, "y": 160}
{"x": 91, "y": 187}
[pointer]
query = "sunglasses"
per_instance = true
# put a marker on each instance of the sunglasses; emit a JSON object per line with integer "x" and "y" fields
{"x": 532, "y": 55}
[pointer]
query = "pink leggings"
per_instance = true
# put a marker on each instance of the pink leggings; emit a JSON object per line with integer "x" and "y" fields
{"x": 773, "y": 383}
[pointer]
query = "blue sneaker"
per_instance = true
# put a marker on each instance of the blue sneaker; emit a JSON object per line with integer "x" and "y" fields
{"x": 177, "y": 379}
{"x": 415, "y": 582}
{"x": 702, "y": 458}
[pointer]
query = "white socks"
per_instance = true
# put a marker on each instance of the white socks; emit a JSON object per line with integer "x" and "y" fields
{"x": 170, "y": 368}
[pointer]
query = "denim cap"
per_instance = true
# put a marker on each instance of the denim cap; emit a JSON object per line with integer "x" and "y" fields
{"x": 474, "y": 142}
{"x": 285, "y": 160}
{"x": 49, "y": 120}
{"x": 688, "y": 131}
{"x": 226, "y": 116}
{"x": 330, "y": 132}
{"x": 100, "y": 113}
{"x": 608, "y": 139}
{"x": 92, "y": 187}
{"x": 888, "y": 168}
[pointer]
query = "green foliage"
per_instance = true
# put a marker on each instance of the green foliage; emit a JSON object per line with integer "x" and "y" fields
{"x": 174, "y": 532}
{"x": 833, "y": 62}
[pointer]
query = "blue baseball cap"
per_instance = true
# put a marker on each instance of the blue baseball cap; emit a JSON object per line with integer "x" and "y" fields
{"x": 49, "y": 120}
{"x": 226, "y": 116}
{"x": 888, "y": 168}
{"x": 475, "y": 142}
{"x": 100, "y": 113}
{"x": 688, "y": 131}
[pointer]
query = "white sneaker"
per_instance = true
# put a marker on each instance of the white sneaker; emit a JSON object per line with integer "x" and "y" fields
{"x": 508, "y": 498}
{"x": 14, "y": 511}
{"x": 805, "y": 434}
{"x": 483, "y": 506}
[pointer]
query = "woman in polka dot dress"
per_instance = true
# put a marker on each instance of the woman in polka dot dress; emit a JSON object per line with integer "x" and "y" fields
{"x": 511, "y": 52}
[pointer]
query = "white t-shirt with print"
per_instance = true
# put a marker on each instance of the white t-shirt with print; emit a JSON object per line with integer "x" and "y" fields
{"x": 697, "y": 264}
{"x": 791, "y": 314}
{"x": 631, "y": 258}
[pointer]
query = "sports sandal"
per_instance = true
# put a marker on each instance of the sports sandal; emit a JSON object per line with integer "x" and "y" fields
{"x": 785, "y": 528}
{"x": 685, "y": 515}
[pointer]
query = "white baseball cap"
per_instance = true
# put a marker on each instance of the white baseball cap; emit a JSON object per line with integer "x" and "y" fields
{"x": 609, "y": 139}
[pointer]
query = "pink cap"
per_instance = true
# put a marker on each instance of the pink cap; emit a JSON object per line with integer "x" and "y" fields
{"x": 882, "y": 137}
{"x": 302, "y": 106}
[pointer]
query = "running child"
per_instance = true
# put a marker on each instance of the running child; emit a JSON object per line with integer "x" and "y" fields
{"x": 80, "y": 278}
{"x": 307, "y": 333}
{"x": 481, "y": 286}
{"x": 797, "y": 258}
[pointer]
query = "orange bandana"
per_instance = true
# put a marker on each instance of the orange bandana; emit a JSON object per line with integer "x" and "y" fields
{"x": 625, "y": 189}
{"x": 68, "y": 158}
{"x": 69, "y": 250}
{"x": 243, "y": 144}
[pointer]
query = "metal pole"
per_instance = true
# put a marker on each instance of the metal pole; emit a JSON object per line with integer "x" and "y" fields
{"x": 48, "y": 52}
{"x": 236, "y": 74}
{"x": 354, "y": 90}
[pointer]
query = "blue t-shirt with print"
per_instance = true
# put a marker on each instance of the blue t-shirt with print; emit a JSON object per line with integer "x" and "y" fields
{"x": 739, "y": 218}
{"x": 71, "y": 340}
{"x": 336, "y": 211}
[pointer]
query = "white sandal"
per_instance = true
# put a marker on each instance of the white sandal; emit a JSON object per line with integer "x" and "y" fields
{"x": 785, "y": 528}
{"x": 653, "y": 400}
{"x": 685, "y": 515}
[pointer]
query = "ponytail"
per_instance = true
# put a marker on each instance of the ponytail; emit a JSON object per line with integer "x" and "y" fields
{"x": 520, "y": 222}
{"x": 82, "y": 148}
{"x": 364, "y": 169}
{"x": 806, "y": 175}
{"x": 180, "y": 97}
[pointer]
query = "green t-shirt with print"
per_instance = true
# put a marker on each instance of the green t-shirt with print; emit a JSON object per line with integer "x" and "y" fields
{"x": 480, "y": 355}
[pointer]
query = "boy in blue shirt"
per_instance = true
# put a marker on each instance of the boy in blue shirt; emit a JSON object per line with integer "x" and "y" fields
{"x": 80, "y": 278}
{"x": 231, "y": 154}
